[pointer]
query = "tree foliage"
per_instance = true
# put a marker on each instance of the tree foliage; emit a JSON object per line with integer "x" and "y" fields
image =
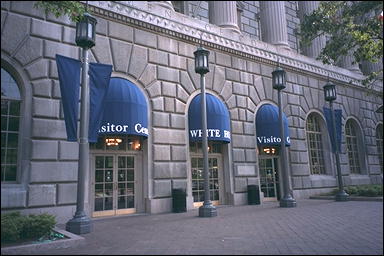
{"x": 349, "y": 26}
{"x": 73, "y": 9}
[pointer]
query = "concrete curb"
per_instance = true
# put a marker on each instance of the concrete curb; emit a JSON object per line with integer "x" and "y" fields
{"x": 351, "y": 198}
{"x": 72, "y": 241}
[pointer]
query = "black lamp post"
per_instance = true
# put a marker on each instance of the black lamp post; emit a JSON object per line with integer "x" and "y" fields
{"x": 202, "y": 67}
{"x": 85, "y": 38}
{"x": 278, "y": 83}
{"x": 330, "y": 96}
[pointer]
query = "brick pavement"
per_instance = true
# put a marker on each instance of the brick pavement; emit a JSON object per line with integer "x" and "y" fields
{"x": 313, "y": 227}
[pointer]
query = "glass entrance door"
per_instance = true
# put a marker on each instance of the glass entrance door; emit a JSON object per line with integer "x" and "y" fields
{"x": 269, "y": 179}
{"x": 114, "y": 185}
{"x": 198, "y": 180}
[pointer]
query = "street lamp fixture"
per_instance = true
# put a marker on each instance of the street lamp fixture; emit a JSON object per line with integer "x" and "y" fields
{"x": 86, "y": 31}
{"x": 330, "y": 96}
{"x": 202, "y": 67}
{"x": 85, "y": 38}
{"x": 278, "y": 83}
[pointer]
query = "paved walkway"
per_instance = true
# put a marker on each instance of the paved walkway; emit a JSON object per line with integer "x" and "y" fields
{"x": 313, "y": 227}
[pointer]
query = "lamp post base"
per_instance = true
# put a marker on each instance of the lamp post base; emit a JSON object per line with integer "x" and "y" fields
{"x": 287, "y": 202}
{"x": 79, "y": 225}
{"x": 342, "y": 196}
{"x": 207, "y": 210}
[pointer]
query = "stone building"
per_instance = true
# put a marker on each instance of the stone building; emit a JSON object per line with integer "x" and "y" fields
{"x": 150, "y": 45}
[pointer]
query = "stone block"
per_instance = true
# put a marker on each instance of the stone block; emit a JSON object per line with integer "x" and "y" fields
{"x": 246, "y": 78}
{"x": 102, "y": 50}
{"x": 168, "y": 74}
{"x": 179, "y": 184}
{"x": 69, "y": 35}
{"x": 145, "y": 38}
{"x": 162, "y": 188}
{"x": 168, "y": 89}
{"x": 237, "y": 127}
{"x": 180, "y": 107}
{"x": 149, "y": 75}
{"x": 154, "y": 89}
{"x": 297, "y": 182}
{"x": 13, "y": 197}
{"x": 186, "y": 50}
{"x": 52, "y": 48}
{"x": 44, "y": 150}
{"x": 238, "y": 63}
{"x": 178, "y": 62}
{"x": 68, "y": 150}
{"x": 253, "y": 67}
{"x": 239, "y": 88}
{"x": 219, "y": 79}
{"x": 186, "y": 82}
{"x": 158, "y": 104}
{"x": 160, "y": 119}
{"x": 266, "y": 71}
{"x": 48, "y": 128}
{"x": 238, "y": 155}
{"x": 46, "y": 30}
{"x": 161, "y": 152}
{"x": 14, "y": 30}
{"x": 158, "y": 57}
{"x": 300, "y": 169}
{"x": 253, "y": 181}
{"x": 169, "y": 136}
{"x": 182, "y": 94}
{"x": 179, "y": 153}
{"x": 39, "y": 69}
{"x": 169, "y": 104}
{"x": 53, "y": 171}
{"x": 42, "y": 88}
{"x": 243, "y": 141}
{"x": 120, "y": 31}
{"x": 241, "y": 101}
{"x": 249, "y": 128}
{"x": 178, "y": 121}
{"x": 41, "y": 195}
{"x": 240, "y": 184}
{"x": 167, "y": 44}
{"x": 121, "y": 53}
{"x": 245, "y": 170}
{"x": 250, "y": 155}
{"x": 45, "y": 107}
{"x": 138, "y": 61}
{"x": 31, "y": 50}
{"x": 226, "y": 92}
{"x": 67, "y": 193}
{"x": 232, "y": 74}
{"x": 164, "y": 170}
{"x": 223, "y": 59}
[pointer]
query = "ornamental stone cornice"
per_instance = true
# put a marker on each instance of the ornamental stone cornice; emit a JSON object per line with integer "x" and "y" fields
{"x": 151, "y": 16}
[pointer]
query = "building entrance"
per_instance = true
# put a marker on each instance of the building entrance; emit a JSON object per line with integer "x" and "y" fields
{"x": 269, "y": 178}
{"x": 113, "y": 185}
{"x": 198, "y": 180}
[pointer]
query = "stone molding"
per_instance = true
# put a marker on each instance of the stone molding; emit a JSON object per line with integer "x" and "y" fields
{"x": 146, "y": 15}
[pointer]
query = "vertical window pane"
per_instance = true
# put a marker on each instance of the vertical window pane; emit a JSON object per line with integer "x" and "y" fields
{"x": 10, "y": 118}
{"x": 315, "y": 145}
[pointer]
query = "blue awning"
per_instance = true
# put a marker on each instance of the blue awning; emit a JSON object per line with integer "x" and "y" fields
{"x": 267, "y": 126}
{"x": 125, "y": 110}
{"x": 218, "y": 124}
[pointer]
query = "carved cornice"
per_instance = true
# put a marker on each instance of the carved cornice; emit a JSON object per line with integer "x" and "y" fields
{"x": 150, "y": 16}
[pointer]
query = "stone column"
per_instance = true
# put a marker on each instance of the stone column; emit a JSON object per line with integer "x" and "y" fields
{"x": 368, "y": 67}
{"x": 224, "y": 14}
{"x": 274, "y": 23}
{"x": 165, "y": 4}
{"x": 317, "y": 44}
{"x": 346, "y": 62}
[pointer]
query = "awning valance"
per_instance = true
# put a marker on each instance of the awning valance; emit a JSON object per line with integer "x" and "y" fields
{"x": 125, "y": 110}
{"x": 268, "y": 128}
{"x": 218, "y": 125}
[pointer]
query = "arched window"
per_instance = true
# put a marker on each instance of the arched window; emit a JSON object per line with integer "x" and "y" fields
{"x": 351, "y": 137}
{"x": 379, "y": 143}
{"x": 315, "y": 145}
{"x": 10, "y": 119}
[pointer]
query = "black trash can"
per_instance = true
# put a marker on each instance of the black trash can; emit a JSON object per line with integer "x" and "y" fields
{"x": 179, "y": 200}
{"x": 253, "y": 194}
